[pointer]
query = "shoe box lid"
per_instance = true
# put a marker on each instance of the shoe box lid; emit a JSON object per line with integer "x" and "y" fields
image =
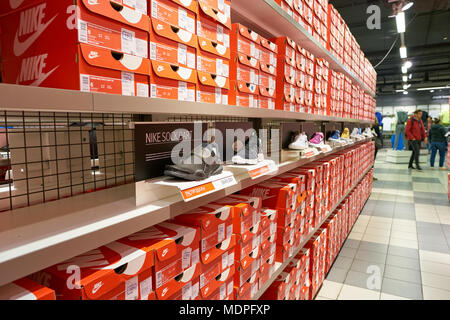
{"x": 26, "y": 289}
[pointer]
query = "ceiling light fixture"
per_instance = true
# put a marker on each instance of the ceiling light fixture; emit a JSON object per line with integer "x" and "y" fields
{"x": 405, "y": 78}
{"x": 406, "y": 86}
{"x": 400, "y": 20}
{"x": 405, "y": 92}
{"x": 410, "y": 76}
{"x": 404, "y": 70}
{"x": 434, "y": 88}
{"x": 408, "y": 64}
{"x": 407, "y": 6}
{"x": 403, "y": 52}
{"x": 431, "y": 91}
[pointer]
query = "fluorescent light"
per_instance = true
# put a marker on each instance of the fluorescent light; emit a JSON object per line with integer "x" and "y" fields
{"x": 405, "y": 78}
{"x": 407, "y": 6}
{"x": 399, "y": 90}
{"x": 406, "y": 86}
{"x": 408, "y": 64}
{"x": 403, "y": 53}
{"x": 404, "y": 70}
{"x": 401, "y": 24}
{"x": 410, "y": 76}
{"x": 435, "y": 88}
{"x": 405, "y": 92}
{"x": 431, "y": 91}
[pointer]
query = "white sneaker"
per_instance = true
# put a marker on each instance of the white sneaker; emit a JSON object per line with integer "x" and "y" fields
{"x": 368, "y": 133}
{"x": 300, "y": 142}
{"x": 355, "y": 134}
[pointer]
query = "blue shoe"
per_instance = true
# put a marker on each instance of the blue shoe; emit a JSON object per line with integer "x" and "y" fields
{"x": 336, "y": 136}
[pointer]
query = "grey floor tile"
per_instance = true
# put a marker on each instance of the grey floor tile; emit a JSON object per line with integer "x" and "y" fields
{"x": 432, "y": 195}
{"x": 348, "y": 252}
{"x": 425, "y": 179}
{"x": 366, "y": 266}
{"x": 343, "y": 262}
{"x": 403, "y": 252}
{"x": 337, "y": 274}
{"x": 428, "y": 225}
{"x": 441, "y": 202}
{"x": 371, "y": 256}
{"x": 384, "y": 212}
{"x": 404, "y": 215}
{"x": 366, "y": 212}
{"x": 434, "y": 238}
{"x": 403, "y": 262}
{"x": 441, "y": 248}
{"x": 423, "y": 200}
{"x": 404, "y": 208}
{"x": 351, "y": 243}
{"x": 385, "y": 204}
{"x": 402, "y": 289}
{"x": 358, "y": 279}
{"x": 402, "y": 274}
{"x": 373, "y": 246}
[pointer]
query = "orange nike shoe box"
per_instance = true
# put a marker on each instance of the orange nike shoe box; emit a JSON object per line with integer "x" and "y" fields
{"x": 279, "y": 289}
{"x": 176, "y": 249}
{"x": 246, "y": 214}
{"x": 268, "y": 216}
{"x": 26, "y": 289}
{"x": 178, "y": 13}
{"x": 244, "y": 275}
{"x": 268, "y": 56}
{"x": 112, "y": 59}
{"x": 268, "y": 236}
{"x": 216, "y": 229}
{"x": 249, "y": 251}
{"x": 212, "y": 88}
{"x": 249, "y": 289}
{"x": 214, "y": 25}
{"x": 217, "y": 282}
{"x": 283, "y": 252}
{"x": 115, "y": 271}
{"x": 189, "y": 291}
{"x": 274, "y": 195}
{"x": 243, "y": 94}
{"x": 286, "y": 49}
{"x": 266, "y": 271}
{"x": 268, "y": 82}
{"x": 224, "y": 292}
{"x": 245, "y": 41}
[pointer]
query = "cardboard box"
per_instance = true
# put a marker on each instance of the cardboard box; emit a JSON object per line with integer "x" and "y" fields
{"x": 116, "y": 271}
{"x": 111, "y": 60}
{"x": 224, "y": 292}
{"x": 212, "y": 88}
{"x": 245, "y": 275}
{"x": 213, "y": 25}
{"x": 25, "y": 289}
{"x": 279, "y": 289}
{"x": 245, "y": 41}
{"x": 243, "y": 94}
{"x": 188, "y": 291}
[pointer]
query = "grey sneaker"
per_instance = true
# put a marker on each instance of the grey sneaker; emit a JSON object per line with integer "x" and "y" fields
{"x": 250, "y": 153}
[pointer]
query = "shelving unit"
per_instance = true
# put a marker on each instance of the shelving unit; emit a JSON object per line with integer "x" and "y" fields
{"x": 36, "y": 237}
{"x": 261, "y": 18}
{"x": 281, "y": 267}
{"x": 23, "y": 98}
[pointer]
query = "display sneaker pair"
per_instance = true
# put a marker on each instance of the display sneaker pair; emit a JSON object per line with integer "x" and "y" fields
{"x": 356, "y": 134}
{"x": 249, "y": 152}
{"x": 346, "y": 136}
{"x": 300, "y": 142}
{"x": 368, "y": 133}
{"x": 336, "y": 138}
{"x": 317, "y": 140}
{"x": 203, "y": 162}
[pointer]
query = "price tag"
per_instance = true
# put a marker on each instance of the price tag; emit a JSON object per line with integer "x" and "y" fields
{"x": 128, "y": 42}
{"x": 186, "y": 258}
{"x": 231, "y": 259}
{"x": 187, "y": 291}
{"x": 182, "y": 54}
{"x": 132, "y": 289}
{"x": 230, "y": 288}
{"x": 127, "y": 84}
{"x": 195, "y": 291}
{"x": 221, "y": 232}
{"x": 225, "y": 261}
{"x": 145, "y": 288}
{"x": 223, "y": 291}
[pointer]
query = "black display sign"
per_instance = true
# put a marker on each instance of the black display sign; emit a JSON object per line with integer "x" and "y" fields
{"x": 222, "y": 127}
{"x": 155, "y": 141}
{"x": 288, "y": 131}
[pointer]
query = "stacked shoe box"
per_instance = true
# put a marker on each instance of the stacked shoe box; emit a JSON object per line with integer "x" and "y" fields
{"x": 173, "y": 50}
{"x": 98, "y": 48}
{"x": 279, "y": 196}
{"x": 279, "y": 289}
{"x": 331, "y": 224}
{"x": 335, "y": 37}
{"x": 300, "y": 96}
{"x": 177, "y": 265}
{"x": 321, "y": 70}
{"x": 213, "y": 55}
{"x": 298, "y": 268}
{"x": 318, "y": 191}
{"x": 310, "y": 82}
{"x": 328, "y": 171}
{"x": 244, "y": 67}
{"x": 320, "y": 23}
{"x": 26, "y": 289}
{"x": 317, "y": 246}
{"x": 217, "y": 245}
{"x": 246, "y": 215}
{"x": 268, "y": 52}
{"x": 268, "y": 245}
{"x": 335, "y": 93}
{"x": 286, "y": 74}
{"x": 347, "y": 97}
{"x": 116, "y": 271}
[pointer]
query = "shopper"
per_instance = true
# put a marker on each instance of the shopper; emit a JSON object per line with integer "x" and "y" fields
{"x": 429, "y": 124}
{"x": 402, "y": 117}
{"x": 378, "y": 141}
{"x": 415, "y": 133}
{"x": 438, "y": 141}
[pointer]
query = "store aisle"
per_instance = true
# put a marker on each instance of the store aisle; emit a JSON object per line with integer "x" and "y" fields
{"x": 399, "y": 248}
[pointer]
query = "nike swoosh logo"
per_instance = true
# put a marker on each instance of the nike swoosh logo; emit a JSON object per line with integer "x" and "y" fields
{"x": 14, "y": 4}
{"x": 96, "y": 289}
{"x": 21, "y": 47}
{"x": 43, "y": 77}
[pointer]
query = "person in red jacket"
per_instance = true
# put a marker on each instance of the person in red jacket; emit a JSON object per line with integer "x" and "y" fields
{"x": 415, "y": 133}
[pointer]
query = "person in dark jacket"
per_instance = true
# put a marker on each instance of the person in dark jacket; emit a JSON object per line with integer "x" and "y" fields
{"x": 438, "y": 141}
{"x": 415, "y": 133}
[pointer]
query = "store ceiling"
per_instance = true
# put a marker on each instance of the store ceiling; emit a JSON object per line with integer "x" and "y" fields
{"x": 427, "y": 39}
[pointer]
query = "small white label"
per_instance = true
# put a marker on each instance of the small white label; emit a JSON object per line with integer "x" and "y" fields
{"x": 85, "y": 83}
{"x": 221, "y": 232}
{"x": 203, "y": 245}
{"x": 224, "y": 260}
{"x": 202, "y": 280}
{"x": 190, "y": 95}
{"x": 223, "y": 291}
{"x": 154, "y": 9}
{"x": 182, "y": 90}
{"x": 195, "y": 257}
{"x": 251, "y": 100}
{"x": 146, "y": 288}
{"x": 128, "y": 42}
{"x": 141, "y": 48}
{"x": 158, "y": 279}
{"x": 82, "y": 31}
{"x": 226, "y": 40}
{"x": 186, "y": 292}
{"x": 132, "y": 289}
{"x": 182, "y": 54}
{"x": 191, "y": 60}
{"x": 229, "y": 231}
{"x": 195, "y": 291}
{"x": 186, "y": 258}
{"x": 230, "y": 288}
{"x": 219, "y": 66}
{"x": 218, "y": 95}
{"x": 220, "y": 33}
{"x": 254, "y": 290}
{"x": 273, "y": 228}
{"x": 225, "y": 99}
{"x": 153, "y": 90}
{"x": 142, "y": 90}
{"x": 255, "y": 242}
{"x": 231, "y": 259}
{"x": 128, "y": 84}
{"x": 253, "y": 50}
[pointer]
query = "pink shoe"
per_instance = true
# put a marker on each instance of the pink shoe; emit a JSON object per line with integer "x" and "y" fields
{"x": 317, "y": 139}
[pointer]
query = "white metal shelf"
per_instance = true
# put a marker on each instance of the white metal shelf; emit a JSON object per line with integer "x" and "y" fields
{"x": 280, "y": 269}
{"x": 26, "y": 98}
{"x": 262, "y": 19}
{"x": 36, "y": 237}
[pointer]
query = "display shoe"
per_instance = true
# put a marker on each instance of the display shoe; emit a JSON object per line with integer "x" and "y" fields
{"x": 203, "y": 162}
{"x": 336, "y": 137}
{"x": 300, "y": 142}
{"x": 345, "y": 134}
{"x": 250, "y": 153}
{"x": 368, "y": 133}
{"x": 317, "y": 140}
{"x": 355, "y": 134}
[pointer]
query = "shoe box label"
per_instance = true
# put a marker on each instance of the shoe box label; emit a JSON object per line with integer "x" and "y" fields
{"x": 174, "y": 14}
{"x": 212, "y": 30}
{"x": 266, "y": 103}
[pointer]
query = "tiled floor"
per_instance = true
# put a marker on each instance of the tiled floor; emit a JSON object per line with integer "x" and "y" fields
{"x": 399, "y": 248}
